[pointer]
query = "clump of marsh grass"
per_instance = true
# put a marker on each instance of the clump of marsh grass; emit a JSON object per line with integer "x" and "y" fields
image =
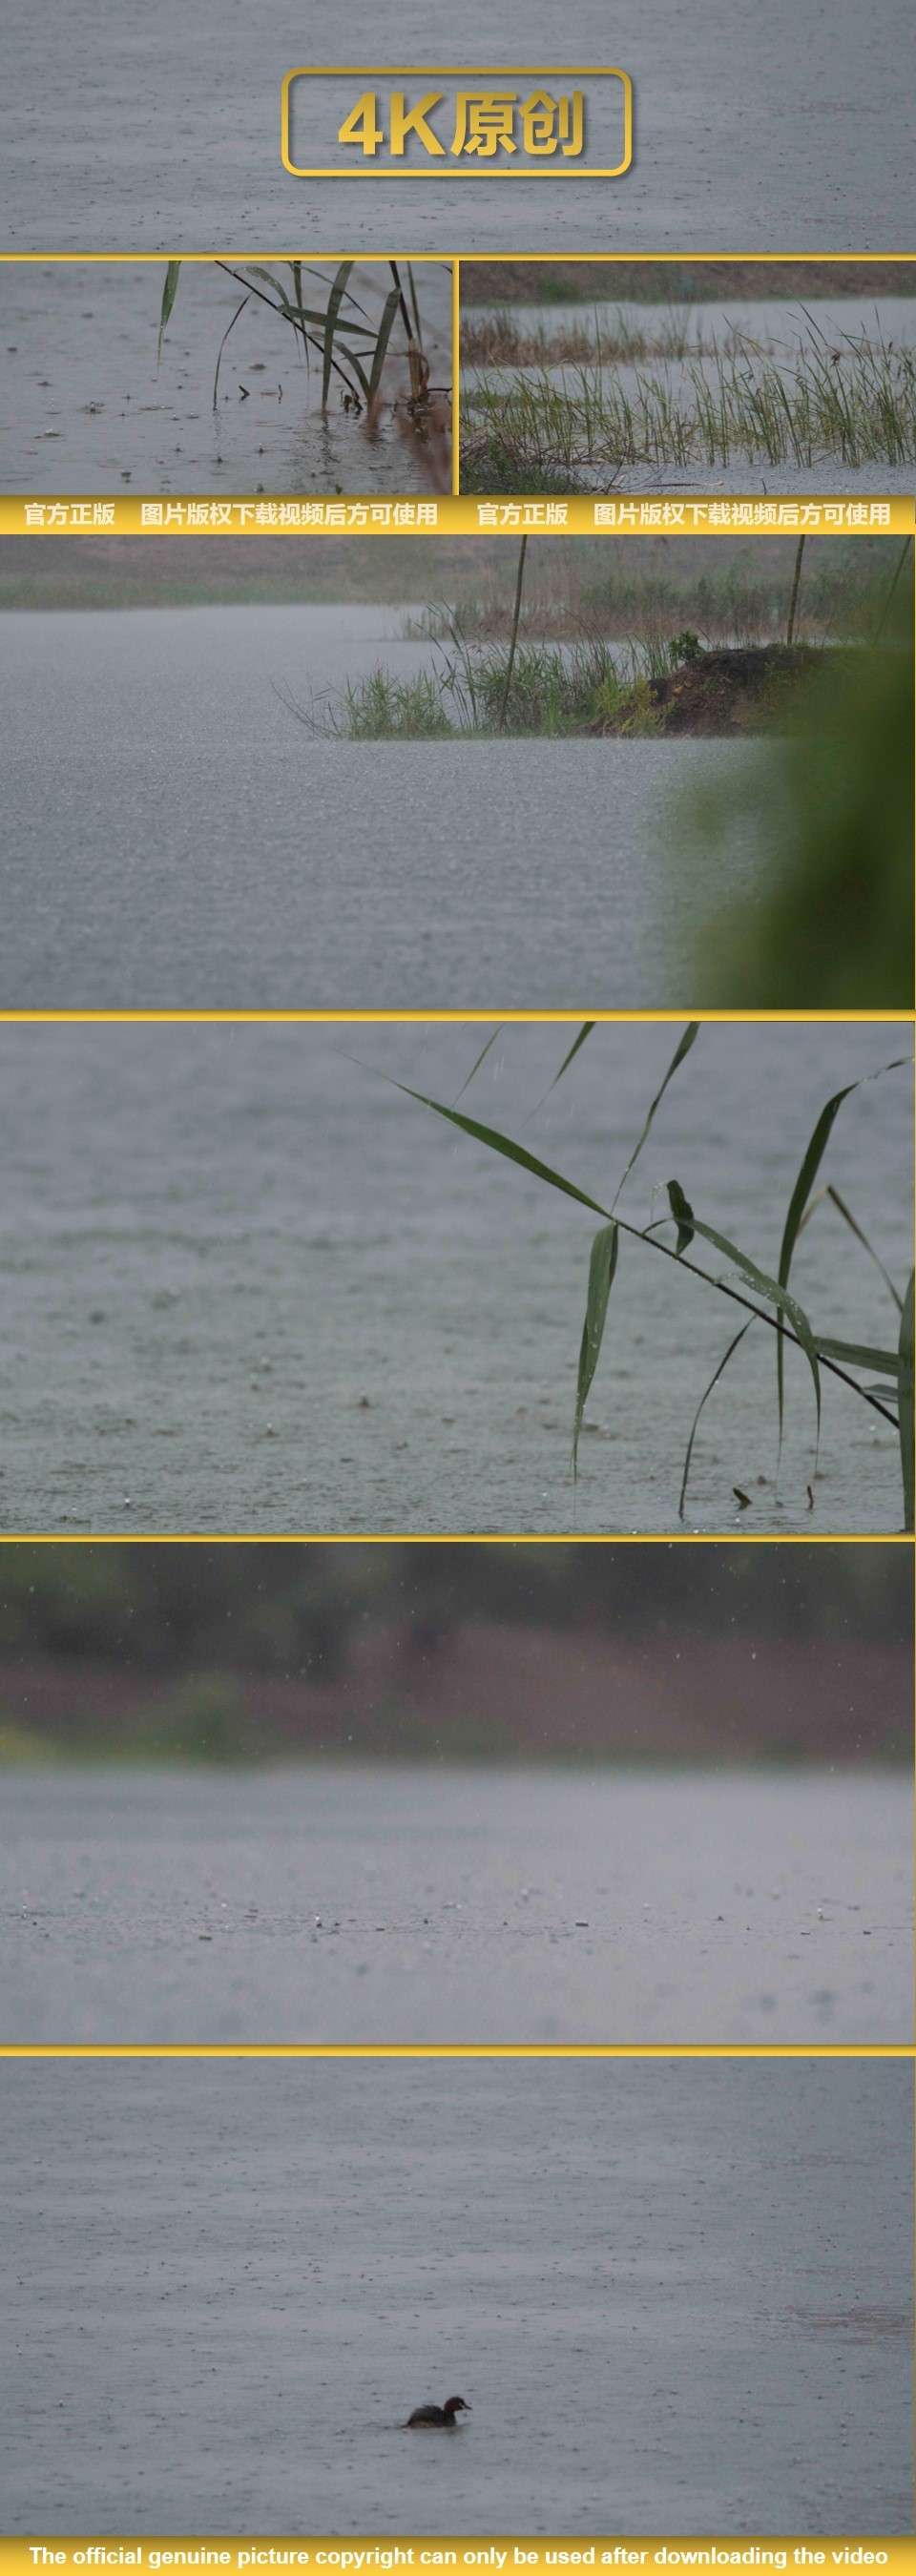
{"x": 383, "y": 708}
{"x": 541, "y": 689}
{"x": 876, "y": 1372}
{"x": 855, "y": 402}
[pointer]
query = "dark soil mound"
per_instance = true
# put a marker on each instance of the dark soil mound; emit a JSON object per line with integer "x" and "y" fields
{"x": 723, "y": 692}
{"x": 740, "y": 689}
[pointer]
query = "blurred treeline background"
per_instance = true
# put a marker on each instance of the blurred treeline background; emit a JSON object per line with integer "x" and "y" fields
{"x": 429, "y": 1651}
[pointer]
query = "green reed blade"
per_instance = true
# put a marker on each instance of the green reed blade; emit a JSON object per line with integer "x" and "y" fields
{"x": 683, "y": 1048}
{"x": 810, "y": 1166}
{"x": 601, "y": 1268}
{"x": 169, "y": 293}
{"x": 717, "y": 1373}
{"x": 830, "y": 1192}
{"x": 475, "y": 1068}
{"x": 905, "y": 1403}
{"x": 335, "y": 301}
{"x": 859, "y": 1355}
{"x": 299, "y": 313}
{"x": 682, "y": 1213}
{"x": 584, "y": 1032}
{"x": 772, "y": 1289}
{"x": 252, "y": 270}
{"x": 811, "y": 1163}
{"x": 230, "y": 326}
{"x": 504, "y": 1145}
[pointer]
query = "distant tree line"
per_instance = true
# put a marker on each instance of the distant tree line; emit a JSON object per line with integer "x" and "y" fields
{"x": 297, "y": 1609}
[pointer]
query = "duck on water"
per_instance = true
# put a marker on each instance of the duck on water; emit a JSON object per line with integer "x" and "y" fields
{"x": 427, "y": 2419}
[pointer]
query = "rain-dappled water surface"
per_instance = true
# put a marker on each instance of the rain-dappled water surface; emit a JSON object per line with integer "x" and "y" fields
{"x": 247, "y": 1286}
{"x": 169, "y": 137}
{"x": 675, "y": 2296}
{"x": 853, "y": 340}
{"x": 428, "y": 1905}
{"x": 176, "y": 840}
{"x": 86, "y": 405}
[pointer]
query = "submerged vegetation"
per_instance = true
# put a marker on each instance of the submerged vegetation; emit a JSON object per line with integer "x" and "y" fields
{"x": 877, "y": 1370}
{"x": 851, "y": 398}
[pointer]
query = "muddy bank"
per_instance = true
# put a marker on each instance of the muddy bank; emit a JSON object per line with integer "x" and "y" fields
{"x": 739, "y": 689}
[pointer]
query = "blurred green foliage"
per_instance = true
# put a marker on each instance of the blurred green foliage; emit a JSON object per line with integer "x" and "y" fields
{"x": 829, "y": 924}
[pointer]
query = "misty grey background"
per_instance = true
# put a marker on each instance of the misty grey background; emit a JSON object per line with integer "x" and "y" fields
{"x": 131, "y": 130}
{"x": 429, "y": 1904}
{"x": 675, "y": 2296}
{"x": 247, "y": 1286}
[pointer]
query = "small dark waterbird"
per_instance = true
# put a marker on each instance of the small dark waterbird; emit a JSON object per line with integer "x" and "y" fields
{"x": 427, "y": 2419}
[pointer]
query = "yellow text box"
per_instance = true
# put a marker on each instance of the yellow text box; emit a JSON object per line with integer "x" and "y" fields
{"x": 465, "y": 122}
{"x": 288, "y": 514}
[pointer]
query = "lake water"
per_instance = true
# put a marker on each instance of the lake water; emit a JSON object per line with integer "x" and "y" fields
{"x": 85, "y": 407}
{"x": 176, "y": 840}
{"x": 780, "y": 336}
{"x": 248, "y": 1287}
{"x": 426, "y": 1905}
{"x": 675, "y": 2296}
{"x": 163, "y": 133}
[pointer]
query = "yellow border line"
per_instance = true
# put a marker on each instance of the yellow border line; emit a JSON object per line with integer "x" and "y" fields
{"x": 592, "y": 2050}
{"x": 237, "y": 514}
{"x": 456, "y": 369}
{"x": 471, "y": 1017}
{"x": 456, "y": 1538}
{"x": 489, "y": 259}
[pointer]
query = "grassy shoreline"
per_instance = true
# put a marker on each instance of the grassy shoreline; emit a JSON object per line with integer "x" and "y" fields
{"x": 545, "y": 691}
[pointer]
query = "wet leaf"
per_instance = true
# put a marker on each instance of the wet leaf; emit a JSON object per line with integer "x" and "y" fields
{"x": 169, "y": 293}
{"x": 601, "y": 1268}
{"x": 683, "y": 1048}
